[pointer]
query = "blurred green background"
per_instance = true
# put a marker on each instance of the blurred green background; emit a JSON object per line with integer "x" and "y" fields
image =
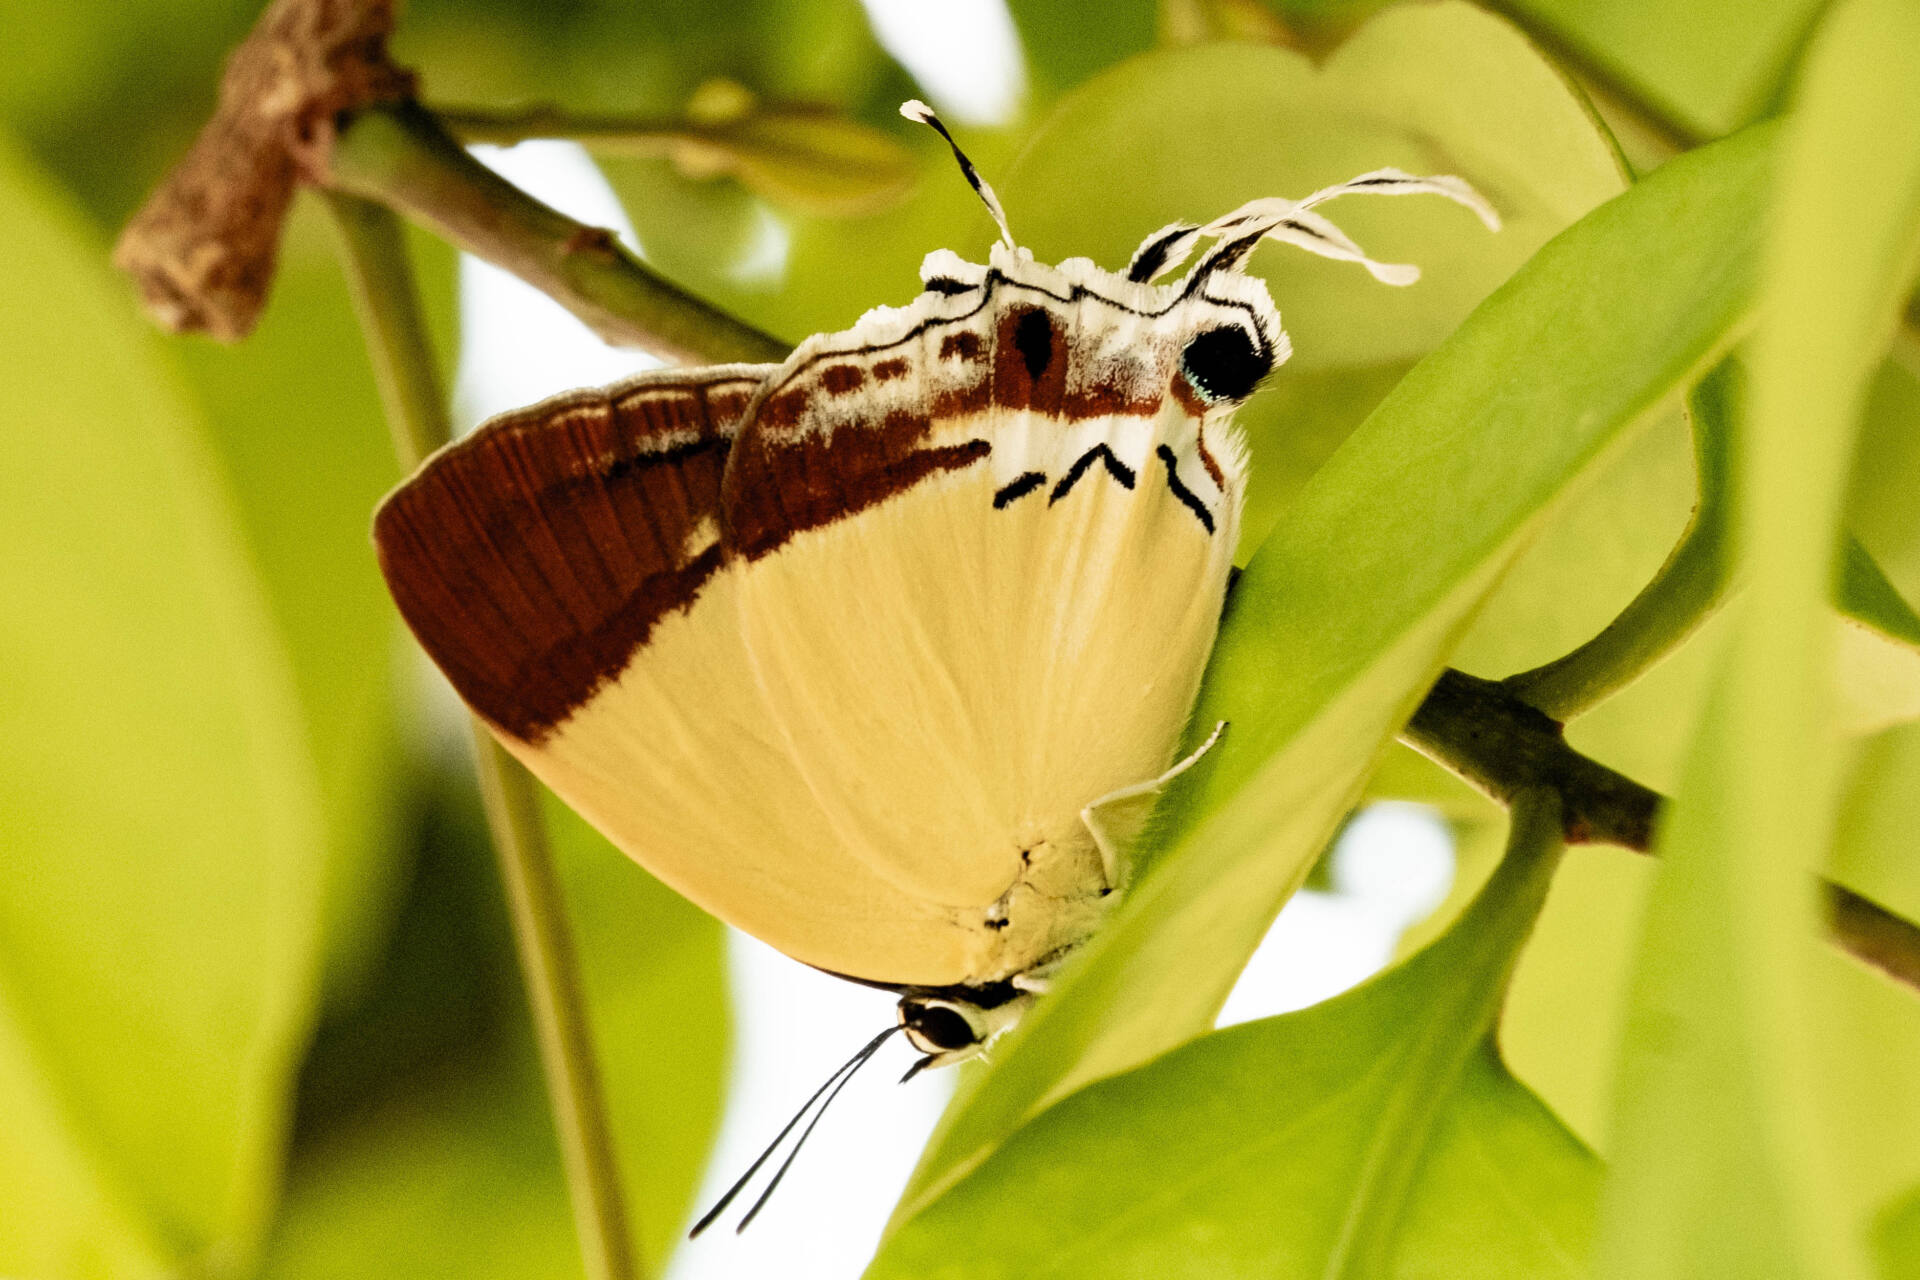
{"x": 256, "y": 989}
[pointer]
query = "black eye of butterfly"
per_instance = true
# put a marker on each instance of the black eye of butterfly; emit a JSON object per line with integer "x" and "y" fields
{"x": 1224, "y": 364}
{"x": 943, "y": 1027}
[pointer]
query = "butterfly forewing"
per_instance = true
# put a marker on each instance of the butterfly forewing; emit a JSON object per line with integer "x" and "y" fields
{"x": 562, "y": 567}
{"x": 534, "y": 557}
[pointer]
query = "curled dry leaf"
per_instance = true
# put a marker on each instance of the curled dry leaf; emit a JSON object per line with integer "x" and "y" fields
{"x": 202, "y": 248}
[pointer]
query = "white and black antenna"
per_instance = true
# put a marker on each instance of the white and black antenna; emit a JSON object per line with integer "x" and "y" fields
{"x": 914, "y": 109}
{"x": 830, "y": 1090}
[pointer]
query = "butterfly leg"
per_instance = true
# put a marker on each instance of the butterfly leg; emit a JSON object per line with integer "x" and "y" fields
{"x": 1116, "y": 819}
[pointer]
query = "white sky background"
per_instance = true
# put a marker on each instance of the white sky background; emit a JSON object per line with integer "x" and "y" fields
{"x": 793, "y": 1025}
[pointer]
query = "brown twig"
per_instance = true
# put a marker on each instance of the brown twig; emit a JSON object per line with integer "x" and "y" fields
{"x": 1504, "y": 746}
{"x": 1479, "y": 730}
{"x": 202, "y": 248}
{"x": 1869, "y": 932}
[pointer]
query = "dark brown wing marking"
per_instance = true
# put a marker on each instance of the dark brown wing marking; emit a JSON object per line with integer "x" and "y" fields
{"x": 844, "y": 427}
{"x": 533, "y": 558}
{"x": 1030, "y": 360}
{"x": 778, "y": 489}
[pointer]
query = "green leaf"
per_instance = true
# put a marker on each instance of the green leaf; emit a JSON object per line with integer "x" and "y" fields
{"x": 1712, "y": 65}
{"x": 1374, "y": 1135}
{"x": 163, "y": 840}
{"x": 1430, "y": 88}
{"x": 1611, "y": 537}
{"x": 1722, "y": 1167}
{"x": 1347, "y": 611}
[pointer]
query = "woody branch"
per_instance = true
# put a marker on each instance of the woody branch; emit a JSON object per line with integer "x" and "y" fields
{"x": 344, "y": 119}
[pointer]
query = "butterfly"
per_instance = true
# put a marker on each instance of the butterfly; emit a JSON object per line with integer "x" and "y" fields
{"x": 881, "y": 653}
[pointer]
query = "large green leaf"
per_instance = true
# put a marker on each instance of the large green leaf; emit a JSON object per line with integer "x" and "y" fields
{"x": 1370, "y": 1136}
{"x": 162, "y": 836}
{"x": 1723, "y": 1167}
{"x": 1346, "y": 612}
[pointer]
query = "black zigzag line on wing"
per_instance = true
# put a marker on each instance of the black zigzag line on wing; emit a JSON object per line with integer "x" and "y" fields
{"x": 1180, "y": 491}
{"x": 1018, "y": 488}
{"x": 1117, "y": 469}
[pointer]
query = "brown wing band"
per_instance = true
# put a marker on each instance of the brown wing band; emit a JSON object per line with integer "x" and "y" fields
{"x": 533, "y": 558}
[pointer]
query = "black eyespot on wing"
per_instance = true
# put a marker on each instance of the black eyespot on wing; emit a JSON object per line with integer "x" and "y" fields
{"x": 942, "y": 1027}
{"x": 1225, "y": 363}
{"x": 947, "y": 284}
{"x": 1033, "y": 338}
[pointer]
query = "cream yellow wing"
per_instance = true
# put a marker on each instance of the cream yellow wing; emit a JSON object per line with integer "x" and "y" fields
{"x": 984, "y": 546}
{"x": 563, "y": 568}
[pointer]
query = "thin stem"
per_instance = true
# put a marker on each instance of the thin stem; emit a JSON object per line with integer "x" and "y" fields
{"x": 380, "y": 276}
{"x": 388, "y": 303}
{"x": 1871, "y": 933}
{"x": 1689, "y": 589}
{"x": 552, "y": 975}
{"x": 401, "y": 157}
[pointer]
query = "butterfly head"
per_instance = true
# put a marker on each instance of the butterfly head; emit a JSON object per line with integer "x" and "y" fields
{"x": 952, "y": 1027}
{"x": 1225, "y": 327}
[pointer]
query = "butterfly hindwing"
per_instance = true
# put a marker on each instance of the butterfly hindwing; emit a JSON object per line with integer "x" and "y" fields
{"x": 1012, "y": 621}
